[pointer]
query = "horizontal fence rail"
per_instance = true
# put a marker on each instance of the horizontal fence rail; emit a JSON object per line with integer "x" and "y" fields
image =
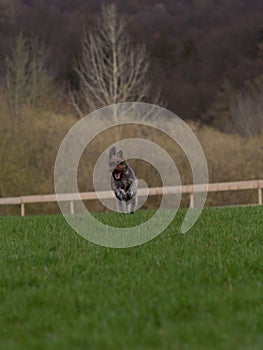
{"x": 152, "y": 191}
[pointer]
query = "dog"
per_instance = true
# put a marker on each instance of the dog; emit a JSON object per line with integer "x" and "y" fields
{"x": 123, "y": 182}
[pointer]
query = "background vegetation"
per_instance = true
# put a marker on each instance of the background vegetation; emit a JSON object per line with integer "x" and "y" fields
{"x": 195, "y": 46}
{"x": 203, "y": 60}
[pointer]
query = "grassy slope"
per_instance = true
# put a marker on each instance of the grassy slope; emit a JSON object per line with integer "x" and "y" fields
{"x": 202, "y": 290}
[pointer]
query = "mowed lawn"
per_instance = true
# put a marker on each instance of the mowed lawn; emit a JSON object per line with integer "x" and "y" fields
{"x": 199, "y": 290}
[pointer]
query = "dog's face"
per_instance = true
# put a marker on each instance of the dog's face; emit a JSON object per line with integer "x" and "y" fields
{"x": 117, "y": 163}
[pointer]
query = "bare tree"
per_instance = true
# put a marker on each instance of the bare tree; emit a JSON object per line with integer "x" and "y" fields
{"x": 40, "y": 77}
{"x": 111, "y": 69}
{"x": 26, "y": 75}
{"x": 16, "y": 78}
{"x": 239, "y": 111}
{"x": 247, "y": 113}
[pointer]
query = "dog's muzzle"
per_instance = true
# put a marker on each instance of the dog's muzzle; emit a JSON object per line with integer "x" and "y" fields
{"x": 117, "y": 174}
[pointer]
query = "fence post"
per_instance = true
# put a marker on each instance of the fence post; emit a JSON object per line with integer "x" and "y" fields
{"x": 191, "y": 200}
{"x": 71, "y": 207}
{"x": 22, "y": 209}
{"x": 259, "y": 194}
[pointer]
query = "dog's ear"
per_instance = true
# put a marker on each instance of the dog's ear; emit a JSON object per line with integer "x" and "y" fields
{"x": 112, "y": 152}
{"x": 120, "y": 154}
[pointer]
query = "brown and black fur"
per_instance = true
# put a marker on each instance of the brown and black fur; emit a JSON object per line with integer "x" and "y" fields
{"x": 123, "y": 182}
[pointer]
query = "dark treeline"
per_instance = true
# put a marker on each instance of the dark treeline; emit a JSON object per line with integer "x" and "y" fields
{"x": 206, "y": 55}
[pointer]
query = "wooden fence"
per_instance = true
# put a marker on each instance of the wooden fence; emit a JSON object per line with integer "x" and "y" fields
{"x": 188, "y": 189}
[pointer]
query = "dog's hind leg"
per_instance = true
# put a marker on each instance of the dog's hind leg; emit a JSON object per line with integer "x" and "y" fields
{"x": 128, "y": 207}
{"x": 133, "y": 195}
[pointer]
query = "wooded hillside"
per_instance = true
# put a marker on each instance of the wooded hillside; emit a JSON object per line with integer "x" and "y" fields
{"x": 206, "y": 56}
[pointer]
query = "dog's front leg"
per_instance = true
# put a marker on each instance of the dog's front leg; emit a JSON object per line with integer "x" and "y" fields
{"x": 133, "y": 204}
{"x": 121, "y": 206}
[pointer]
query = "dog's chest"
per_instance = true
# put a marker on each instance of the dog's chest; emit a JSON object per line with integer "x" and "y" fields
{"x": 124, "y": 183}
{"x": 126, "y": 179}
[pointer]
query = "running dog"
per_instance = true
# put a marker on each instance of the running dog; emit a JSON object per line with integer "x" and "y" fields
{"x": 123, "y": 182}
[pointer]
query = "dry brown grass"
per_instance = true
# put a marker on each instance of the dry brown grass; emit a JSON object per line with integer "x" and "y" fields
{"x": 28, "y": 149}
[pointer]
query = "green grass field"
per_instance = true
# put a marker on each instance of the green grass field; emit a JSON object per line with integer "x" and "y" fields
{"x": 199, "y": 290}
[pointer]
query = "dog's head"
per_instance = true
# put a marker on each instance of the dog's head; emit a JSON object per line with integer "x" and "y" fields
{"x": 117, "y": 163}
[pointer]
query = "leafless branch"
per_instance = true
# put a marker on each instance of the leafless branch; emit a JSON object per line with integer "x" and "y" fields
{"x": 111, "y": 70}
